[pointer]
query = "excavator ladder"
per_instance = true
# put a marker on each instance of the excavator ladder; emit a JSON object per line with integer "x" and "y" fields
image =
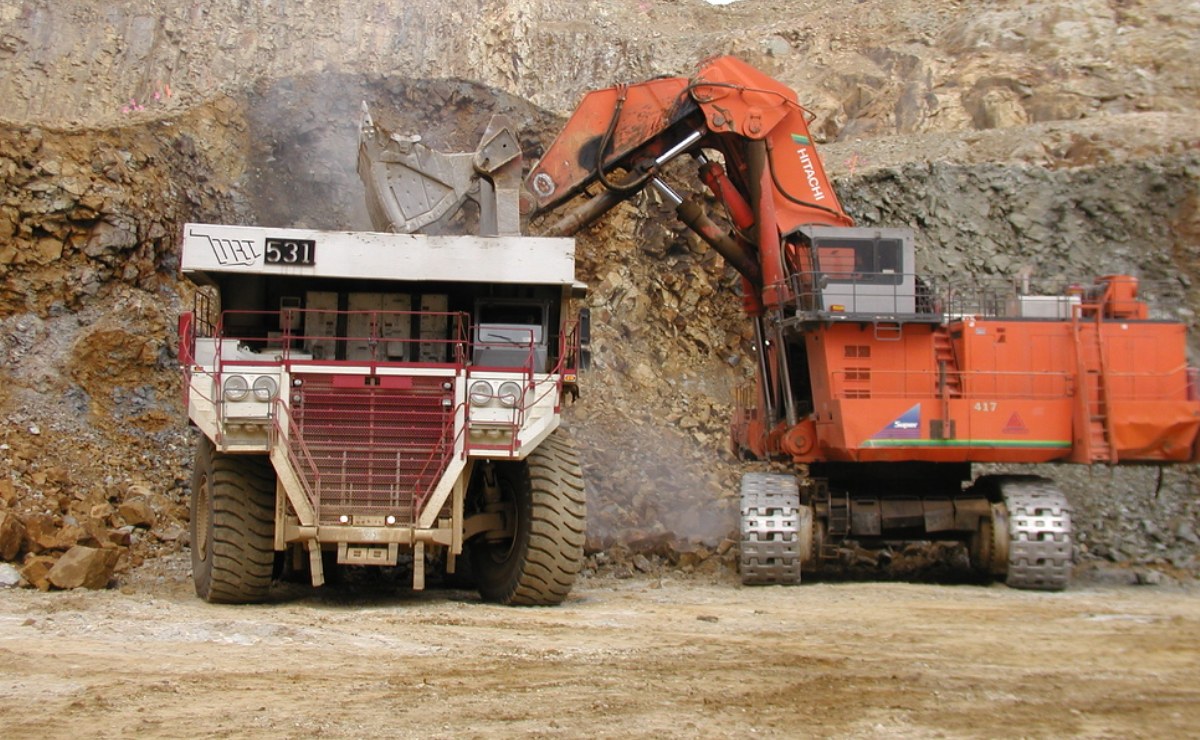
{"x": 1093, "y": 424}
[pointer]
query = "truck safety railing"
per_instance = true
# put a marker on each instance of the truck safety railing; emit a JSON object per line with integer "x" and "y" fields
{"x": 909, "y": 297}
{"x": 189, "y": 331}
{"x": 297, "y": 453}
{"x": 572, "y": 346}
{"x": 524, "y": 346}
{"x": 308, "y": 473}
{"x": 437, "y": 461}
{"x": 564, "y": 370}
{"x": 1174, "y": 385}
{"x": 235, "y": 345}
{"x": 266, "y": 337}
{"x": 375, "y": 337}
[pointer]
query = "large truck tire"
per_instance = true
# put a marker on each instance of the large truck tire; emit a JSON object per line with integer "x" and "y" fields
{"x": 538, "y": 565}
{"x": 232, "y": 527}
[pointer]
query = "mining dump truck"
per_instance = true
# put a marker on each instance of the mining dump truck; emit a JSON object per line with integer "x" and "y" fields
{"x": 380, "y": 398}
{"x": 885, "y": 385}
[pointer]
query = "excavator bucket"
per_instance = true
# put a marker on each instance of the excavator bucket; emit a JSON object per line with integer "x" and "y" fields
{"x": 411, "y": 187}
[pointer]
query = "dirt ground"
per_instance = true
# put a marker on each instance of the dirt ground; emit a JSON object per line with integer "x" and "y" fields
{"x": 632, "y": 657}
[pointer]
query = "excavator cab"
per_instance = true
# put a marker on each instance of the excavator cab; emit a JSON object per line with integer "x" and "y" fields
{"x": 856, "y": 273}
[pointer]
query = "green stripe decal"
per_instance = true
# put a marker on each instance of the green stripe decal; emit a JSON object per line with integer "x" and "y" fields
{"x": 801, "y": 140}
{"x": 1036, "y": 443}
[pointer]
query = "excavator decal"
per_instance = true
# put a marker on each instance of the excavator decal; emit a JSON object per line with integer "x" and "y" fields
{"x": 905, "y": 426}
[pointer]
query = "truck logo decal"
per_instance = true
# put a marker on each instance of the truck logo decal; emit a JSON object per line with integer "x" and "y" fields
{"x": 230, "y": 251}
{"x": 905, "y": 426}
{"x": 801, "y": 140}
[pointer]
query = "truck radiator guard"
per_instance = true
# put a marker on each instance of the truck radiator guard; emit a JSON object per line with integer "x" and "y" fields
{"x": 378, "y": 445}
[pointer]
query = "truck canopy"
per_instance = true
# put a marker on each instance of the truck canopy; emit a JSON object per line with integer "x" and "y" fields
{"x": 525, "y": 260}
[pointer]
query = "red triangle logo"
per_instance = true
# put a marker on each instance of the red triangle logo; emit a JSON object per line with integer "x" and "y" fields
{"x": 1015, "y": 425}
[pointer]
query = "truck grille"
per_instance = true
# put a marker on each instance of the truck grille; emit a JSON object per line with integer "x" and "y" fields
{"x": 378, "y": 444}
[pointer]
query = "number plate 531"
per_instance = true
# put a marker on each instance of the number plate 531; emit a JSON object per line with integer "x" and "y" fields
{"x": 290, "y": 251}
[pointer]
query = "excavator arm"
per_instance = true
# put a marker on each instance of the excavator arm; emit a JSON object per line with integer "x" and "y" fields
{"x": 772, "y": 182}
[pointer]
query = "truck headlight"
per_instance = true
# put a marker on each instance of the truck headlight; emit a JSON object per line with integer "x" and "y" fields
{"x": 480, "y": 392}
{"x": 265, "y": 388}
{"x": 509, "y": 394}
{"x": 236, "y": 388}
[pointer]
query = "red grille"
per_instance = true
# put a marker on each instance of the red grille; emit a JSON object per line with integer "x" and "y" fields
{"x": 379, "y": 444}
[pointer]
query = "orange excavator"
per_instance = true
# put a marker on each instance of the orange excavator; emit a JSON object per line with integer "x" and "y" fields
{"x": 886, "y": 385}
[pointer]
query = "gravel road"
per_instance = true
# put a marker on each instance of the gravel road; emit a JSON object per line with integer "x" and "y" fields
{"x": 631, "y": 657}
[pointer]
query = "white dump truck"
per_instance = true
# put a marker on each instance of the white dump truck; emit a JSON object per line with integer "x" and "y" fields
{"x": 375, "y": 398}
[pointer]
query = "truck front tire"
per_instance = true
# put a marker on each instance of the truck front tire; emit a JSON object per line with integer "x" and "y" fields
{"x": 538, "y": 565}
{"x": 232, "y": 527}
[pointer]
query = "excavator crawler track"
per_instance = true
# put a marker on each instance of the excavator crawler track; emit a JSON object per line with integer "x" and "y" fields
{"x": 773, "y": 541}
{"x": 1040, "y": 537}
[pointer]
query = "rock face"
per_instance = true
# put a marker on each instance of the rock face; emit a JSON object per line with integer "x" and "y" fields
{"x": 1058, "y": 139}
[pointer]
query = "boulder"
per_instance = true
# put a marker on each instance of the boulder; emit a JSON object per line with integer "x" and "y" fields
{"x": 69, "y": 536}
{"x": 9, "y": 576}
{"x": 122, "y": 536}
{"x": 41, "y": 532}
{"x": 12, "y": 534}
{"x": 84, "y": 567}
{"x": 137, "y": 513}
{"x": 35, "y": 570}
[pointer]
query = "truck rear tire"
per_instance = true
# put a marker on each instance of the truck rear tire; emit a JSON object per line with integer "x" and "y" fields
{"x": 232, "y": 527}
{"x": 538, "y": 565}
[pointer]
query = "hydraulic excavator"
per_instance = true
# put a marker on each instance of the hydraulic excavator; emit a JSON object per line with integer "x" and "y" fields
{"x": 886, "y": 385}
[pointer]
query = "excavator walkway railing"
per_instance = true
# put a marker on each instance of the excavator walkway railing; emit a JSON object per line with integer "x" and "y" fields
{"x": 824, "y": 296}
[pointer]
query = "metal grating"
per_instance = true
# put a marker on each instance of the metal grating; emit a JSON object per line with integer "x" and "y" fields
{"x": 378, "y": 449}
